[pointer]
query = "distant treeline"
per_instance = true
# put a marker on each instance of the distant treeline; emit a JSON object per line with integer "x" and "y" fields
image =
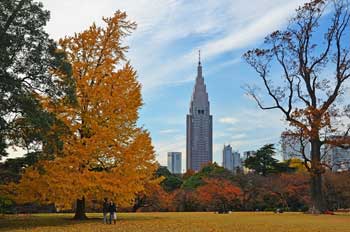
{"x": 217, "y": 189}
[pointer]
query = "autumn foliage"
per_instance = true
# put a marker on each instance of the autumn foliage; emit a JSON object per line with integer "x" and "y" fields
{"x": 209, "y": 190}
{"x": 105, "y": 153}
{"x": 84, "y": 112}
{"x": 219, "y": 195}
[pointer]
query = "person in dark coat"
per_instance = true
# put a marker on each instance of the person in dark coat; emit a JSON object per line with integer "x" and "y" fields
{"x": 105, "y": 210}
{"x": 112, "y": 212}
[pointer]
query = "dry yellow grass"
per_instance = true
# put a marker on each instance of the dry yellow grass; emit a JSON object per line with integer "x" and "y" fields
{"x": 134, "y": 222}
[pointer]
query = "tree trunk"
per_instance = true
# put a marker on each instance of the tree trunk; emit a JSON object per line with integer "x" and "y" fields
{"x": 138, "y": 203}
{"x": 80, "y": 209}
{"x": 317, "y": 199}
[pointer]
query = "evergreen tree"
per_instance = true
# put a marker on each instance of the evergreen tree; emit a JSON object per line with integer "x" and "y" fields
{"x": 263, "y": 162}
{"x": 27, "y": 58}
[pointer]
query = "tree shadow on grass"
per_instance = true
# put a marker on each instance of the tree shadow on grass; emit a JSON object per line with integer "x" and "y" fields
{"x": 13, "y": 222}
{"x": 25, "y": 222}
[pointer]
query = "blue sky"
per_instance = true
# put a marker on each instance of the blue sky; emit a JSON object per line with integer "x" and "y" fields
{"x": 164, "y": 49}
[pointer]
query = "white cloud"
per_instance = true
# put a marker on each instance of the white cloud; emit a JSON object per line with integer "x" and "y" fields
{"x": 253, "y": 119}
{"x": 231, "y": 33}
{"x": 239, "y": 136}
{"x": 70, "y": 16}
{"x": 218, "y": 26}
{"x": 255, "y": 128}
{"x": 256, "y": 29}
{"x": 228, "y": 120}
{"x": 164, "y": 47}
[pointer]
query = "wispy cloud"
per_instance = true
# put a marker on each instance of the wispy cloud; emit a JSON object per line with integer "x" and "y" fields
{"x": 216, "y": 27}
{"x": 228, "y": 120}
{"x": 239, "y": 136}
{"x": 254, "y": 129}
{"x": 252, "y": 31}
{"x": 227, "y": 34}
{"x": 163, "y": 50}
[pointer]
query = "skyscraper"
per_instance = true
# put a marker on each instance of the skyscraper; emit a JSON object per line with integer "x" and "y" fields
{"x": 231, "y": 160}
{"x": 174, "y": 162}
{"x": 227, "y": 158}
{"x": 337, "y": 158}
{"x": 199, "y": 141}
{"x": 237, "y": 162}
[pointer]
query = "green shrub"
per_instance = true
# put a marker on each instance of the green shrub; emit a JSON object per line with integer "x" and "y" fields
{"x": 6, "y": 205}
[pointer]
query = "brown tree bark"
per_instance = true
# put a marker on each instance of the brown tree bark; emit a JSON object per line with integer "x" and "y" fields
{"x": 317, "y": 198}
{"x": 318, "y": 204}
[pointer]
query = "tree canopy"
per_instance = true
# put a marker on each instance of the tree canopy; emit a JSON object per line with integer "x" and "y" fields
{"x": 263, "y": 162}
{"x": 305, "y": 69}
{"x": 27, "y": 56}
{"x": 104, "y": 153}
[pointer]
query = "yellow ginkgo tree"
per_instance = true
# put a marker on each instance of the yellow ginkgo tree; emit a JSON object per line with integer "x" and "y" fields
{"x": 105, "y": 153}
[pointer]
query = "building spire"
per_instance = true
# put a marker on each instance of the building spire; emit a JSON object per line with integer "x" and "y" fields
{"x": 199, "y": 68}
{"x": 199, "y": 57}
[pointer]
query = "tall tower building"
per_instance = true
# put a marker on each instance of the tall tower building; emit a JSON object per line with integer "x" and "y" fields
{"x": 231, "y": 160}
{"x": 174, "y": 162}
{"x": 199, "y": 146}
{"x": 227, "y": 158}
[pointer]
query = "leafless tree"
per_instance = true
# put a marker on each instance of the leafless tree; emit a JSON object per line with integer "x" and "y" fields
{"x": 305, "y": 71}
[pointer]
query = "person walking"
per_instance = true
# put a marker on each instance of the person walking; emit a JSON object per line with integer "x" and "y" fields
{"x": 112, "y": 213}
{"x": 105, "y": 209}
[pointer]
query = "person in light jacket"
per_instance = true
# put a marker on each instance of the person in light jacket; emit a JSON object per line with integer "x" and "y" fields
{"x": 112, "y": 212}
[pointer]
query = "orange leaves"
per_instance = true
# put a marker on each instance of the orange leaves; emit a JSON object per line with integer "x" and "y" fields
{"x": 217, "y": 188}
{"x": 219, "y": 194}
{"x": 289, "y": 190}
{"x": 105, "y": 154}
{"x": 310, "y": 120}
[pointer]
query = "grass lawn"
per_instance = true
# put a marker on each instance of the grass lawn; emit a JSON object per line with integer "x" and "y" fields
{"x": 133, "y": 222}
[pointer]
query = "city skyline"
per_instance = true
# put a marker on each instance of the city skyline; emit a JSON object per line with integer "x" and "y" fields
{"x": 165, "y": 62}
